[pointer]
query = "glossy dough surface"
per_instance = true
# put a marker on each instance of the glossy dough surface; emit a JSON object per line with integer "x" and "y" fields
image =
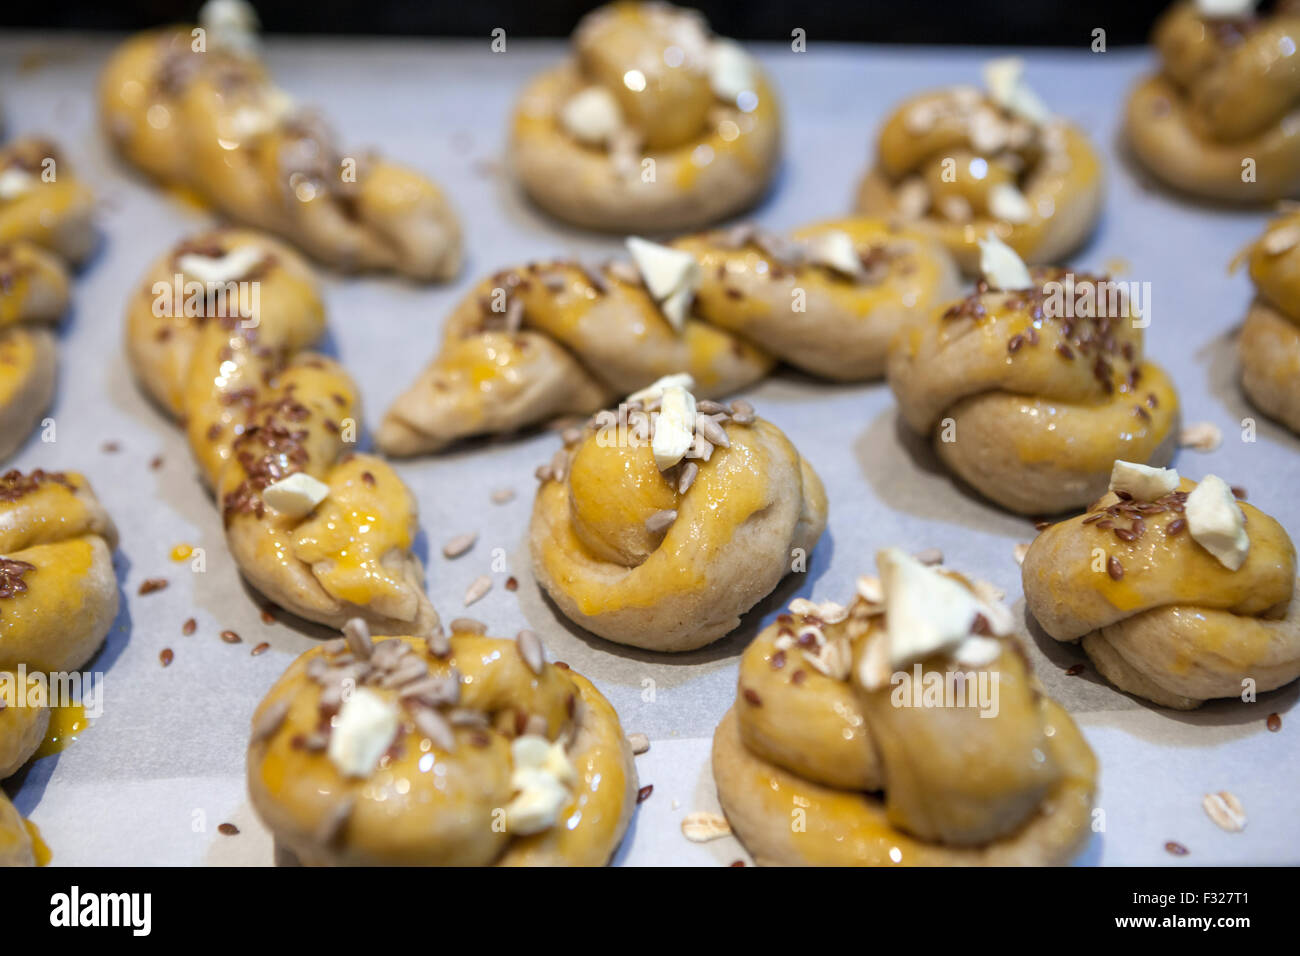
{"x": 812, "y": 769}
{"x": 257, "y": 406}
{"x": 1168, "y": 622}
{"x": 549, "y": 339}
{"x": 1029, "y": 407}
{"x": 1052, "y": 166}
{"x": 1227, "y": 92}
{"x": 425, "y": 804}
{"x": 683, "y": 157}
{"x": 752, "y": 509}
{"x": 1270, "y": 336}
{"x": 213, "y": 122}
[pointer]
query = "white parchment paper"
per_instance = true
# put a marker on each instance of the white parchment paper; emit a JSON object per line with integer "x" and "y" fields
{"x": 153, "y": 777}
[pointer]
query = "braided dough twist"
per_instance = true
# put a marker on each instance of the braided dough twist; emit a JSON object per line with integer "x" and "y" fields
{"x": 805, "y": 739}
{"x": 551, "y": 339}
{"x": 1227, "y": 92}
{"x": 658, "y": 560}
{"x": 1030, "y": 407}
{"x": 212, "y": 121}
{"x": 58, "y": 599}
{"x": 670, "y": 150}
{"x": 1270, "y": 336}
{"x": 258, "y": 407}
{"x": 554, "y": 339}
{"x": 946, "y": 161}
{"x": 43, "y": 221}
{"x": 1168, "y": 622}
{"x": 439, "y": 794}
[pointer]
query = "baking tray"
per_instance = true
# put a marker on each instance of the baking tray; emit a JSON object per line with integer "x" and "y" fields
{"x": 153, "y": 777}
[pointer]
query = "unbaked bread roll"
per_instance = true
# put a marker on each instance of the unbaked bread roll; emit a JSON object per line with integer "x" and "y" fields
{"x": 1270, "y": 337}
{"x": 653, "y": 125}
{"x": 829, "y": 299}
{"x": 551, "y": 339}
{"x": 42, "y": 201}
{"x": 459, "y": 751}
{"x": 58, "y": 591}
{"x": 193, "y": 107}
{"x": 661, "y": 524}
{"x": 45, "y": 219}
{"x": 1161, "y": 615}
{"x": 904, "y": 730}
{"x": 958, "y": 163}
{"x": 218, "y": 335}
{"x": 58, "y": 599}
{"x": 1029, "y": 400}
{"x": 1221, "y": 117}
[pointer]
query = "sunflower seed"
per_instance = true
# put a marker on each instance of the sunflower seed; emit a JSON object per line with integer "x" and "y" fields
{"x": 503, "y": 496}
{"x": 434, "y": 726}
{"x": 434, "y": 691}
{"x": 357, "y": 633}
{"x": 1225, "y": 810}
{"x": 467, "y": 625}
{"x": 459, "y": 544}
{"x": 712, "y": 431}
{"x": 1202, "y": 436}
{"x": 702, "y": 827}
{"x": 687, "y": 478}
{"x": 439, "y": 645}
{"x": 660, "y": 520}
{"x": 270, "y": 720}
{"x": 742, "y": 413}
{"x": 639, "y": 743}
{"x": 530, "y": 649}
{"x": 477, "y": 589}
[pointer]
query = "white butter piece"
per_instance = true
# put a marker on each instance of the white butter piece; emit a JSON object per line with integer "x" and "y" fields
{"x": 671, "y": 275}
{"x": 296, "y": 495}
{"x": 1005, "y": 81}
{"x": 592, "y": 116}
{"x": 925, "y": 611}
{"x": 1216, "y": 522}
{"x": 15, "y": 182}
{"x": 656, "y": 389}
{"x": 362, "y": 732}
{"x": 835, "y": 250}
{"x": 251, "y": 120}
{"x": 674, "y": 428}
{"x": 1142, "y": 482}
{"x": 543, "y": 777}
{"x": 1008, "y": 203}
{"x": 231, "y": 267}
{"x": 731, "y": 70}
{"x": 231, "y": 25}
{"x": 1001, "y": 267}
{"x": 977, "y": 651}
{"x": 1225, "y": 9}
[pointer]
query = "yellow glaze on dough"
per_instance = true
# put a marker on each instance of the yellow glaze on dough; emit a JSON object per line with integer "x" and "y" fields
{"x": 728, "y": 544}
{"x": 1029, "y": 403}
{"x": 1159, "y": 614}
{"x": 947, "y": 161}
{"x": 814, "y": 769}
{"x": 708, "y": 156}
{"x": 424, "y": 805}
{"x": 211, "y": 124}
{"x": 258, "y": 408}
{"x": 1226, "y": 92}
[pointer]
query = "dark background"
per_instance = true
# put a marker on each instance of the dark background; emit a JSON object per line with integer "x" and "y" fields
{"x": 876, "y": 21}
